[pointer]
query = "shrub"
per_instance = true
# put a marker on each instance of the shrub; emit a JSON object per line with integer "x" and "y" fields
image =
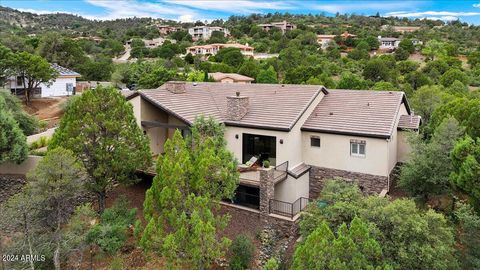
{"x": 111, "y": 233}
{"x": 116, "y": 264}
{"x": 242, "y": 249}
{"x": 266, "y": 164}
{"x": 271, "y": 264}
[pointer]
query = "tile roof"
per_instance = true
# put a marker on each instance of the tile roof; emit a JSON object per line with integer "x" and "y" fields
{"x": 272, "y": 106}
{"x": 62, "y": 71}
{"x": 217, "y": 76}
{"x": 356, "y": 112}
{"x": 409, "y": 122}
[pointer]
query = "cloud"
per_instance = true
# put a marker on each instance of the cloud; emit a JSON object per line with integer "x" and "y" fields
{"x": 443, "y": 18}
{"x": 240, "y": 6}
{"x": 476, "y": 5}
{"x": 424, "y": 14}
{"x": 352, "y": 6}
{"x": 42, "y": 12}
{"x": 128, "y": 9}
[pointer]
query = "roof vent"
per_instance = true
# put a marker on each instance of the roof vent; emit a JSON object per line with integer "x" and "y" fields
{"x": 331, "y": 113}
{"x": 237, "y": 106}
{"x": 176, "y": 87}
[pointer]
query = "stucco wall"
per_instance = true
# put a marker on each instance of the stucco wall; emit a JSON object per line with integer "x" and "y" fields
{"x": 145, "y": 111}
{"x": 334, "y": 152}
{"x": 291, "y": 189}
{"x": 404, "y": 147}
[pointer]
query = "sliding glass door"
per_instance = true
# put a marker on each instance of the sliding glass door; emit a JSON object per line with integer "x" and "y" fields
{"x": 262, "y": 147}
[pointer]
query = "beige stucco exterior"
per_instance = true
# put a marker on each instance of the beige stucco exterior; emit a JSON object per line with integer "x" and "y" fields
{"x": 146, "y": 111}
{"x": 230, "y": 80}
{"x": 334, "y": 153}
{"x": 294, "y": 146}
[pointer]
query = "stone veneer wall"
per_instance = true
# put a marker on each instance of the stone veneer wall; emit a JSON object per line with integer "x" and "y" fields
{"x": 369, "y": 183}
{"x": 237, "y": 107}
{"x": 267, "y": 191}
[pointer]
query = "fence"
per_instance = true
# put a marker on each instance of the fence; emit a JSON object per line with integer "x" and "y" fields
{"x": 287, "y": 209}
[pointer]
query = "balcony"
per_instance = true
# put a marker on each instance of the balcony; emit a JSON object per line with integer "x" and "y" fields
{"x": 251, "y": 175}
{"x": 286, "y": 209}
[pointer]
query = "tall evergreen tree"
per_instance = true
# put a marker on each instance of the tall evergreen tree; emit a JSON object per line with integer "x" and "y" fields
{"x": 192, "y": 176}
{"x": 100, "y": 128}
{"x": 13, "y": 143}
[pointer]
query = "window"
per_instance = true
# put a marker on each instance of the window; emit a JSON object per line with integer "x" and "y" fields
{"x": 357, "y": 148}
{"x": 19, "y": 80}
{"x": 262, "y": 147}
{"x": 315, "y": 141}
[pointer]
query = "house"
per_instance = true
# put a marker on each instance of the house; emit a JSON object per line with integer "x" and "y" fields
{"x": 152, "y": 43}
{"x": 205, "y": 32}
{"x": 97, "y": 40}
{"x": 283, "y": 26}
{"x": 212, "y": 49}
{"x": 167, "y": 29}
{"x": 401, "y": 29}
{"x": 230, "y": 77}
{"x": 262, "y": 56}
{"x": 388, "y": 43}
{"x": 63, "y": 85}
{"x": 324, "y": 40}
{"x": 308, "y": 134}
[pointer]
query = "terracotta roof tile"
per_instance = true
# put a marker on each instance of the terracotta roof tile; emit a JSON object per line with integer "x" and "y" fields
{"x": 356, "y": 112}
{"x": 217, "y": 76}
{"x": 409, "y": 122}
{"x": 272, "y": 106}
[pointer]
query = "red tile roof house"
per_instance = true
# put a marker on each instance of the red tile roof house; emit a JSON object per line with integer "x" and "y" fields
{"x": 308, "y": 134}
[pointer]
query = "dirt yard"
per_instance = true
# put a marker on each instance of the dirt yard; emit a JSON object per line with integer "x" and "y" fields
{"x": 47, "y": 109}
{"x": 132, "y": 256}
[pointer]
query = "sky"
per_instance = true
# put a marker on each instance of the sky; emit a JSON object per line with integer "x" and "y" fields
{"x": 192, "y": 10}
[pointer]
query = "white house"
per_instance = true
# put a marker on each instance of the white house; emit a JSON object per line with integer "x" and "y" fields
{"x": 63, "y": 85}
{"x": 205, "y": 32}
{"x": 213, "y": 49}
{"x": 388, "y": 43}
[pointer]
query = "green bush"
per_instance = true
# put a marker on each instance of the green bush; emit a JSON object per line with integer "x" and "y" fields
{"x": 266, "y": 164}
{"x": 271, "y": 264}
{"x": 242, "y": 250}
{"x": 111, "y": 233}
{"x": 116, "y": 264}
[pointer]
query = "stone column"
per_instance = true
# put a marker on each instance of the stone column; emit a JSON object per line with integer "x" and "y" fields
{"x": 267, "y": 191}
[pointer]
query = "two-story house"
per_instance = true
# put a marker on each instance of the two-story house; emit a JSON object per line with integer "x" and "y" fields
{"x": 306, "y": 132}
{"x": 205, "y": 32}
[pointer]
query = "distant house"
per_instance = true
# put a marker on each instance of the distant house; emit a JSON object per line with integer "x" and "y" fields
{"x": 205, "y": 32}
{"x": 401, "y": 29}
{"x": 212, "y": 49}
{"x": 230, "y": 77}
{"x": 388, "y": 43}
{"x": 259, "y": 56}
{"x": 97, "y": 40}
{"x": 63, "y": 85}
{"x": 152, "y": 43}
{"x": 324, "y": 40}
{"x": 166, "y": 29}
{"x": 283, "y": 26}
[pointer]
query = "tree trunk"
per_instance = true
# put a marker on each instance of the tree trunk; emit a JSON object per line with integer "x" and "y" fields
{"x": 56, "y": 253}
{"x": 27, "y": 234}
{"x": 101, "y": 201}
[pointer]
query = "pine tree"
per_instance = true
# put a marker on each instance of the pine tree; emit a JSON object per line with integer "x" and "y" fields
{"x": 13, "y": 143}
{"x": 192, "y": 176}
{"x": 100, "y": 128}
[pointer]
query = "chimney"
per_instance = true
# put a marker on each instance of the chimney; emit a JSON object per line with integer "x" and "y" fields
{"x": 176, "y": 87}
{"x": 237, "y": 107}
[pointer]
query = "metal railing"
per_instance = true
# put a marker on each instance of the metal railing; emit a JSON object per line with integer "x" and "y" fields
{"x": 282, "y": 167}
{"x": 287, "y": 209}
